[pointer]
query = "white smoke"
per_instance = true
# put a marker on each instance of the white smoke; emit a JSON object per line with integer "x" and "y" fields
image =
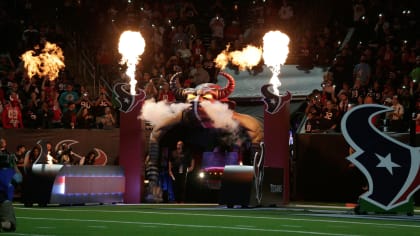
{"x": 159, "y": 112}
{"x": 221, "y": 115}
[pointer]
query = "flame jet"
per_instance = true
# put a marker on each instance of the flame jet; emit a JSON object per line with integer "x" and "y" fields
{"x": 131, "y": 47}
{"x": 275, "y": 52}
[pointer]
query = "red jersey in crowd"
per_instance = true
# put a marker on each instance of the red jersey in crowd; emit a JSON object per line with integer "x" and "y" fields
{"x": 12, "y": 116}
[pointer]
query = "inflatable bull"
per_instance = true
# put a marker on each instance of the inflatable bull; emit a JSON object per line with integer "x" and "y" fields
{"x": 200, "y": 100}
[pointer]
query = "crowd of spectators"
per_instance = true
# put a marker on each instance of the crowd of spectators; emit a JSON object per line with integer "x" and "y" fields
{"x": 378, "y": 59}
{"x": 39, "y": 102}
{"x": 380, "y": 65}
{"x": 44, "y": 103}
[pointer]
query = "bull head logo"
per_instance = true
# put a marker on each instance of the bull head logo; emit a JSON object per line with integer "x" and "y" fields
{"x": 390, "y": 167}
{"x": 127, "y": 102}
{"x": 274, "y": 102}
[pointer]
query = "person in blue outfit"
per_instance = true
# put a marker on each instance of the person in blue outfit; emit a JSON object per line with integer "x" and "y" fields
{"x": 7, "y": 171}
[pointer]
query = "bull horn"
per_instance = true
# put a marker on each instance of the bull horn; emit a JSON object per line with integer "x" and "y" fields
{"x": 228, "y": 89}
{"x": 178, "y": 92}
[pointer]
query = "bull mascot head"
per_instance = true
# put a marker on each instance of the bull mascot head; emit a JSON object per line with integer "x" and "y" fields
{"x": 207, "y": 92}
{"x": 390, "y": 166}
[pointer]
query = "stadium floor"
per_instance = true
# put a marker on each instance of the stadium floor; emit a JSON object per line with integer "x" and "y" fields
{"x": 207, "y": 220}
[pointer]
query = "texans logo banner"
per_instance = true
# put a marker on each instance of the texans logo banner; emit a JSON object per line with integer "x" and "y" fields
{"x": 390, "y": 166}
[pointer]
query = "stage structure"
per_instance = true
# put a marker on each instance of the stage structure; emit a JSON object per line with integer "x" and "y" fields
{"x": 131, "y": 47}
{"x": 200, "y": 102}
{"x": 273, "y": 182}
{"x": 132, "y": 151}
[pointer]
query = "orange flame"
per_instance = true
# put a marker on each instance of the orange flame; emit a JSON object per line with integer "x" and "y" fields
{"x": 275, "y": 51}
{"x": 47, "y": 64}
{"x": 131, "y": 47}
{"x": 222, "y": 59}
{"x": 249, "y": 57}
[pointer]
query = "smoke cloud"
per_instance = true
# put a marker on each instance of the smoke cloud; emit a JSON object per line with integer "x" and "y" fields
{"x": 157, "y": 113}
{"x": 221, "y": 115}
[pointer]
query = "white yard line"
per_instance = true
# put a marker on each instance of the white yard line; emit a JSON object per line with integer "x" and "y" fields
{"x": 188, "y": 226}
{"x": 236, "y": 216}
{"x": 97, "y": 226}
{"x": 20, "y": 234}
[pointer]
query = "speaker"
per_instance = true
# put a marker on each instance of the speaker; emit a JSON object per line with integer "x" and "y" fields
{"x": 272, "y": 187}
{"x": 236, "y": 185}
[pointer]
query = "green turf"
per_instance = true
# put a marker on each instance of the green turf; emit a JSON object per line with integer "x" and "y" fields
{"x": 204, "y": 220}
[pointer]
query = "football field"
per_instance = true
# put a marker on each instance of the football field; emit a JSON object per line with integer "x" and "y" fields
{"x": 207, "y": 220}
